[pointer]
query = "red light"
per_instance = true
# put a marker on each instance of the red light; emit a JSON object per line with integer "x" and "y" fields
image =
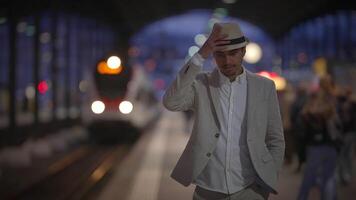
{"x": 264, "y": 73}
{"x": 270, "y": 75}
{"x": 42, "y": 87}
{"x": 273, "y": 74}
{"x": 159, "y": 84}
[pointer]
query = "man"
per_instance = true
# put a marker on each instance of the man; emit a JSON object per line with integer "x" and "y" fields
{"x": 237, "y": 146}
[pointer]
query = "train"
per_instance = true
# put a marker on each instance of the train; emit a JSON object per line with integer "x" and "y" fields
{"x": 121, "y": 102}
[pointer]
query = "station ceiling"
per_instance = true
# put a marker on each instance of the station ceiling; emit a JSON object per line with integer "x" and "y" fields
{"x": 276, "y": 17}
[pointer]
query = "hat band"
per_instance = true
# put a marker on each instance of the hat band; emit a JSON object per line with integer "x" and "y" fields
{"x": 234, "y": 41}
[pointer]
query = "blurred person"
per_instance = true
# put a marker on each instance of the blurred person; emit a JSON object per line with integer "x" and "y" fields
{"x": 347, "y": 113}
{"x": 320, "y": 122}
{"x": 296, "y": 119}
{"x": 236, "y": 147}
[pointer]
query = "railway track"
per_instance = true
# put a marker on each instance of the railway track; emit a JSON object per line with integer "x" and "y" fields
{"x": 74, "y": 176}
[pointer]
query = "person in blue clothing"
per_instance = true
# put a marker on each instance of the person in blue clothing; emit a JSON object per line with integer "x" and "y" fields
{"x": 321, "y": 125}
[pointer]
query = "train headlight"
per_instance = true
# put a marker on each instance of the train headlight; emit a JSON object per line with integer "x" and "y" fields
{"x": 125, "y": 107}
{"x": 113, "y": 62}
{"x": 98, "y": 107}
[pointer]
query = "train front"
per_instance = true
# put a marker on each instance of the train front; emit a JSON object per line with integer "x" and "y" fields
{"x": 120, "y": 104}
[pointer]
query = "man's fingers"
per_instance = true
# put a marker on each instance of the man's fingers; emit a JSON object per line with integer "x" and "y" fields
{"x": 222, "y": 36}
{"x": 219, "y": 36}
{"x": 221, "y": 42}
{"x": 216, "y": 30}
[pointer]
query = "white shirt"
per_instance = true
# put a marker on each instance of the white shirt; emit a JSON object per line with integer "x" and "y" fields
{"x": 229, "y": 169}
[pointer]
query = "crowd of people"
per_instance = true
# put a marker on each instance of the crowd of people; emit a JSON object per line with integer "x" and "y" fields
{"x": 323, "y": 125}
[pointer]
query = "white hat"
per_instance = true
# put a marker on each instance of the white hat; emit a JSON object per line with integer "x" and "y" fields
{"x": 234, "y": 35}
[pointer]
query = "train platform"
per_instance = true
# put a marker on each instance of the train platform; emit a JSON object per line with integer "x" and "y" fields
{"x": 137, "y": 171}
{"x": 145, "y": 172}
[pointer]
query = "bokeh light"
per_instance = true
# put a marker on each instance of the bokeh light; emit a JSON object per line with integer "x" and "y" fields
{"x": 192, "y": 50}
{"x": 98, "y": 107}
{"x": 253, "y": 53}
{"x": 30, "y": 92}
{"x": 114, "y": 62}
{"x": 42, "y": 87}
{"x": 125, "y": 107}
{"x": 200, "y": 39}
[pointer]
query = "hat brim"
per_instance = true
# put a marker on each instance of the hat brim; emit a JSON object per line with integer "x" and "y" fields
{"x": 236, "y": 46}
{"x": 233, "y": 46}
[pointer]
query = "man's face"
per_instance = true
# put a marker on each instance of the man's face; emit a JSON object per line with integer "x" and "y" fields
{"x": 229, "y": 62}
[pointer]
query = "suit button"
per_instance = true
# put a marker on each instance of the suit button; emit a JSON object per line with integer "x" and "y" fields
{"x": 208, "y": 154}
{"x": 217, "y": 135}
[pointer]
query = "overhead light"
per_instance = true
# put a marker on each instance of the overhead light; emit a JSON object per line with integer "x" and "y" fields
{"x": 229, "y": 1}
{"x": 253, "y": 53}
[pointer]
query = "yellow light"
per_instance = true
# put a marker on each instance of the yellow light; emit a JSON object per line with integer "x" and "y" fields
{"x": 103, "y": 68}
{"x": 125, "y": 107}
{"x": 114, "y": 62}
{"x": 280, "y": 82}
{"x": 253, "y": 53}
{"x": 320, "y": 67}
{"x": 265, "y": 74}
{"x": 98, "y": 107}
{"x": 118, "y": 70}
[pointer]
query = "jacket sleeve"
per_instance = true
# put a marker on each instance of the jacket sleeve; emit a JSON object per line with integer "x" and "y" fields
{"x": 180, "y": 94}
{"x": 275, "y": 136}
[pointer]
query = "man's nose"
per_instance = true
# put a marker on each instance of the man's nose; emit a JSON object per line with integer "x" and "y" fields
{"x": 229, "y": 60}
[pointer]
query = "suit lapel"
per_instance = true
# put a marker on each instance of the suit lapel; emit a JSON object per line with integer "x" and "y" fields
{"x": 214, "y": 89}
{"x": 252, "y": 97}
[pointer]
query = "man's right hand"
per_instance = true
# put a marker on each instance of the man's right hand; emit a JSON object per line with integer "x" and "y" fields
{"x": 214, "y": 39}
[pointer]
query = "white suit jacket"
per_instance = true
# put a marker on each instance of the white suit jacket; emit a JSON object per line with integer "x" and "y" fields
{"x": 196, "y": 90}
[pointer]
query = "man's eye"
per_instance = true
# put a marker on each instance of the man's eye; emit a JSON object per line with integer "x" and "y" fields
{"x": 233, "y": 53}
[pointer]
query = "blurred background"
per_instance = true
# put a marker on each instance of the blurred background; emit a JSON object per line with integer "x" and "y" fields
{"x": 81, "y": 84}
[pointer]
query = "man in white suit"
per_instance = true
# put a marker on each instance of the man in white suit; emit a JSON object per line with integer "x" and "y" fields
{"x": 237, "y": 145}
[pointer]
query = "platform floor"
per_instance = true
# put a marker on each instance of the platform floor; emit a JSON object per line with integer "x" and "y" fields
{"x": 144, "y": 174}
